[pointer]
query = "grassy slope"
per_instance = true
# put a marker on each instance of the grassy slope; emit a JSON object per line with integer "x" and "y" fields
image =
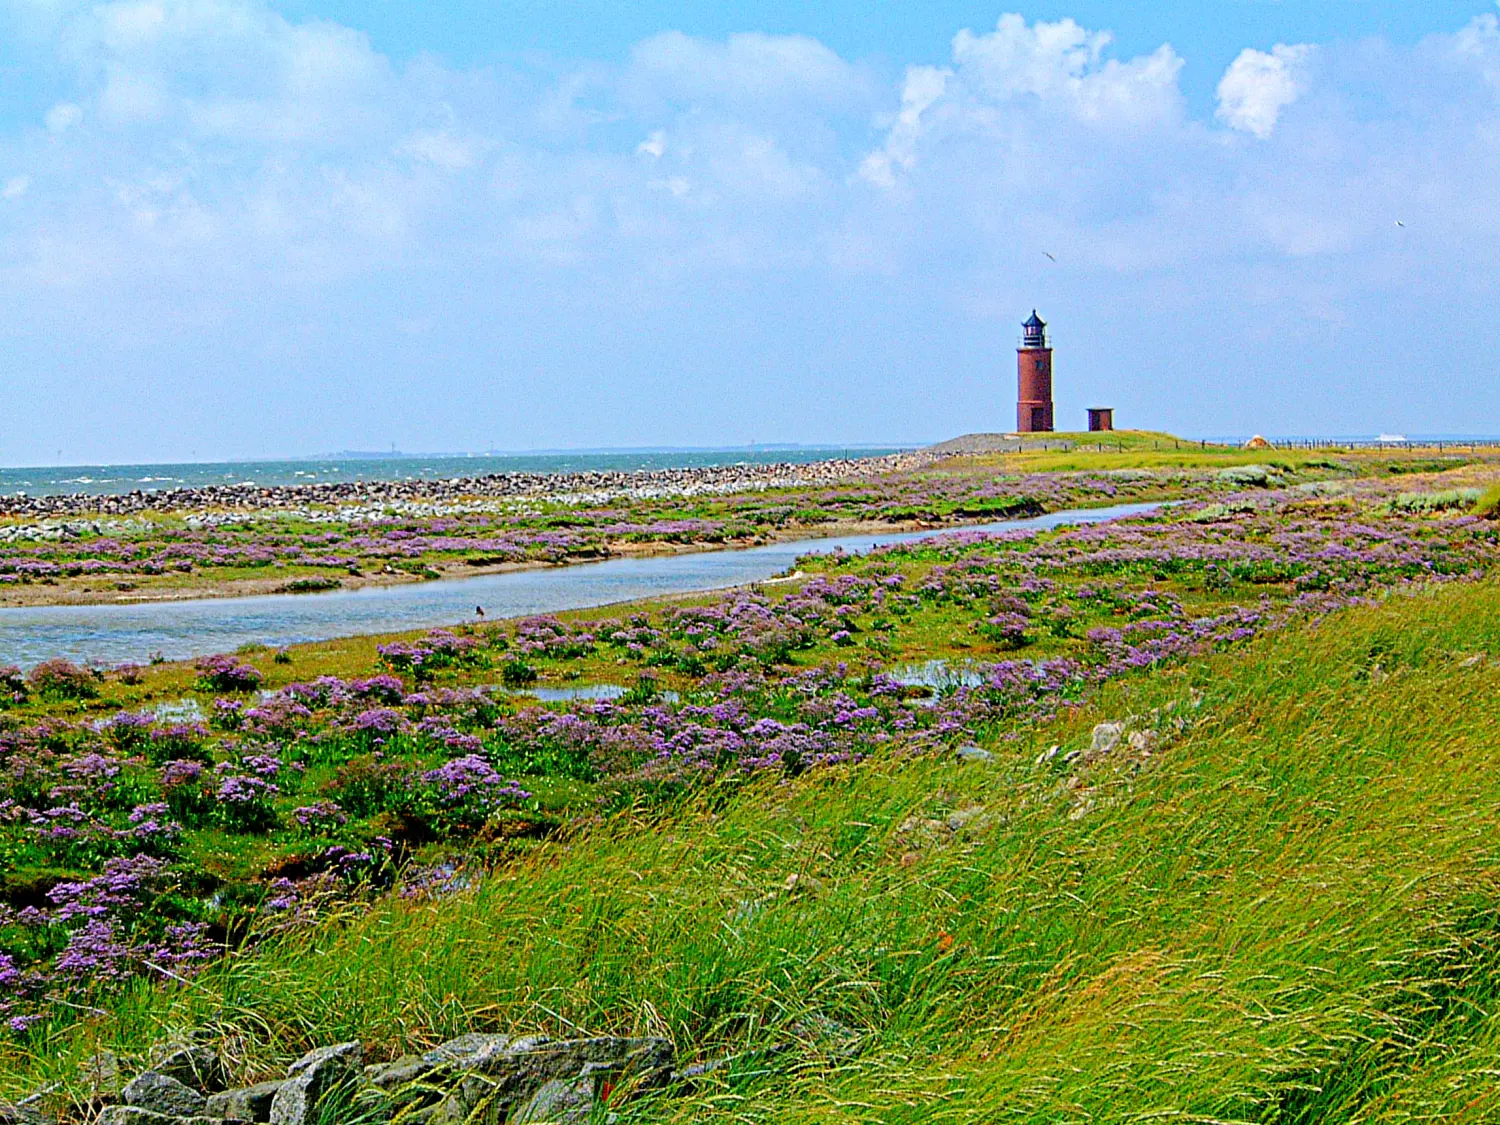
{"x": 1290, "y": 916}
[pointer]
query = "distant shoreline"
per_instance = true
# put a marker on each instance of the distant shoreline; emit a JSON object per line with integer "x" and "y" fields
{"x": 113, "y": 480}
{"x": 556, "y": 487}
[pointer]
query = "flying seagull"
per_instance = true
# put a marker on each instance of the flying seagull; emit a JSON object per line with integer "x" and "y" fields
{"x": 1399, "y": 223}
{"x": 1049, "y": 255}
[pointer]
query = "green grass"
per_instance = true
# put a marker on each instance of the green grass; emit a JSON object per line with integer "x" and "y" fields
{"x": 1291, "y": 913}
{"x": 1448, "y": 499}
{"x": 1150, "y": 450}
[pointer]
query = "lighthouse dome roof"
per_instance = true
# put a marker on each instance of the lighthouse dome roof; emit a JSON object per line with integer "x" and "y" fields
{"x": 1033, "y": 321}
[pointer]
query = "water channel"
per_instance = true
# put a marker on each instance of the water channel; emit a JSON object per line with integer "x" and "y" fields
{"x": 177, "y": 630}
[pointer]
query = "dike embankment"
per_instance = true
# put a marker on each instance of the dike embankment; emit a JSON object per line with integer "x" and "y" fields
{"x": 643, "y": 484}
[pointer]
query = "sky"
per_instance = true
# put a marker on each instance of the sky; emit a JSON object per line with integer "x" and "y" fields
{"x": 244, "y": 228}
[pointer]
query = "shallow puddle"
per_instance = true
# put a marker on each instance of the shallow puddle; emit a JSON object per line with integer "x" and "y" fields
{"x": 940, "y": 675}
{"x": 178, "y": 711}
{"x": 579, "y": 691}
{"x": 564, "y": 694}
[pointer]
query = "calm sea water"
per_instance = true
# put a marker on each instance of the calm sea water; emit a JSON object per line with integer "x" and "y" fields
{"x": 113, "y": 634}
{"x": 108, "y": 480}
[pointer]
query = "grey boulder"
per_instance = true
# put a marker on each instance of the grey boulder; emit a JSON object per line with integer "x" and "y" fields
{"x": 393, "y": 1075}
{"x": 312, "y": 1076}
{"x": 252, "y": 1103}
{"x": 1106, "y": 737}
{"x": 562, "y": 1100}
{"x": 23, "y": 1113}
{"x": 198, "y": 1067}
{"x": 478, "y": 1050}
{"x": 159, "y": 1093}
{"x": 135, "y": 1115}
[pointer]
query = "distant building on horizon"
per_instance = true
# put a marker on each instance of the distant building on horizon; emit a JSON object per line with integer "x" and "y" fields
{"x": 1034, "y": 378}
{"x": 1101, "y": 418}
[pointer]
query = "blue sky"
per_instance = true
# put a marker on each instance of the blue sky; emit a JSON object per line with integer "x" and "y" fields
{"x": 239, "y": 228}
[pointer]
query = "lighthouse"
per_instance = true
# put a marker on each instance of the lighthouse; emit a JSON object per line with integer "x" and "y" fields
{"x": 1034, "y": 378}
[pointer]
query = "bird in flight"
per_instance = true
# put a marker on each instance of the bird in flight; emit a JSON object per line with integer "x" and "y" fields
{"x": 1399, "y": 223}
{"x": 1049, "y": 255}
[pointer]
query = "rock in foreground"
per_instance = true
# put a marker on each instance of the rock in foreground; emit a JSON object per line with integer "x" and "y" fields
{"x": 477, "y": 1079}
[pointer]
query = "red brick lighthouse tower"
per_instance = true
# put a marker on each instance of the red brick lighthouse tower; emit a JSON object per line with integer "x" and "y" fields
{"x": 1034, "y": 371}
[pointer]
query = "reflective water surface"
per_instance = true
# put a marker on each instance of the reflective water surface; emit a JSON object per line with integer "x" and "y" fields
{"x": 179, "y": 630}
{"x": 110, "y": 480}
{"x": 940, "y": 675}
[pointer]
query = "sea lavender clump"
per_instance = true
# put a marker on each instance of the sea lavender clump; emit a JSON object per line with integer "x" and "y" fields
{"x": 62, "y": 679}
{"x": 245, "y": 802}
{"x": 438, "y": 650}
{"x": 319, "y": 817}
{"x": 467, "y": 790}
{"x": 227, "y": 673}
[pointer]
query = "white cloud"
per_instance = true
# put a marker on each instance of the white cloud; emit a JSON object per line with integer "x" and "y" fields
{"x": 134, "y": 23}
{"x": 1258, "y": 86}
{"x": 62, "y": 117}
{"x": 653, "y": 146}
{"x": 227, "y": 68}
{"x": 441, "y": 149}
{"x": 923, "y": 86}
{"x": 15, "y": 187}
{"x": 130, "y": 97}
{"x": 745, "y": 68}
{"x": 1062, "y": 66}
{"x": 1021, "y": 84}
{"x": 1479, "y": 45}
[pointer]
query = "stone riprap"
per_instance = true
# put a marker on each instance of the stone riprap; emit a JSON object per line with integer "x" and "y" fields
{"x": 476, "y": 1079}
{"x": 579, "y": 487}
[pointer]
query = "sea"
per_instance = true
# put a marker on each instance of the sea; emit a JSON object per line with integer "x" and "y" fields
{"x": 111, "y": 480}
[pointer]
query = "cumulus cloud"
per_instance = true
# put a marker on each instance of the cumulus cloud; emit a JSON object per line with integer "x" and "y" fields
{"x": 1259, "y": 85}
{"x": 1022, "y": 82}
{"x": 1062, "y": 66}
{"x": 225, "y": 68}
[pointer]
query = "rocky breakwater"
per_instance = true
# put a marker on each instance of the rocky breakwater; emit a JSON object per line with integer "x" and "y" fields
{"x": 476, "y": 1079}
{"x": 643, "y": 483}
